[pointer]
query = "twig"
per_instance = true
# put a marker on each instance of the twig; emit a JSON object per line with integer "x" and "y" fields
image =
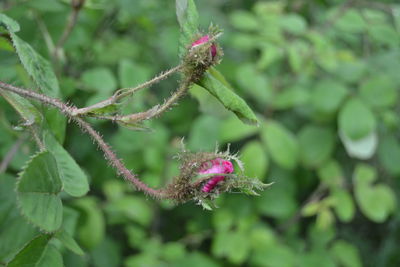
{"x": 110, "y": 155}
{"x": 11, "y": 153}
{"x": 121, "y": 93}
{"x": 116, "y": 162}
{"x": 156, "y": 110}
{"x": 71, "y": 22}
{"x": 317, "y": 194}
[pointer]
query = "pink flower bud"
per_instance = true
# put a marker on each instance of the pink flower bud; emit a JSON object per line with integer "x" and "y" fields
{"x": 204, "y": 39}
{"x": 217, "y": 165}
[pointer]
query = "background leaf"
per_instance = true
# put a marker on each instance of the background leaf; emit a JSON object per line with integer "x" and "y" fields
{"x": 282, "y": 145}
{"x": 356, "y": 120}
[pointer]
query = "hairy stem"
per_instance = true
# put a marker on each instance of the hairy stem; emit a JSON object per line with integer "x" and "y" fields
{"x": 110, "y": 155}
{"x": 156, "y": 110}
{"x": 121, "y": 93}
{"x": 115, "y": 161}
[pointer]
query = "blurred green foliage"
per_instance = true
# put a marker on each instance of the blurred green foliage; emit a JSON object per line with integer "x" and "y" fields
{"x": 323, "y": 78}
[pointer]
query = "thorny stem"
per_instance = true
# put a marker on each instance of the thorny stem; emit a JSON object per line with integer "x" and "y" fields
{"x": 116, "y": 162}
{"x": 121, "y": 93}
{"x": 110, "y": 155}
{"x": 157, "y": 110}
{"x": 74, "y": 114}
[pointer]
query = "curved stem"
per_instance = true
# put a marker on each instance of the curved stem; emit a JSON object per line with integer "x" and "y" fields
{"x": 115, "y": 161}
{"x": 110, "y": 155}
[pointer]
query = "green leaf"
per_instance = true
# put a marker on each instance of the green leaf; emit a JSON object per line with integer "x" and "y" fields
{"x": 363, "y": 148}
{"x": 107, "y": 254}
{"x": 356, "y": 120}
{"x": 37, "y": 190}
{"x": 291, "y": 98}
{"x": 346, "y": 254}
{"x": 376, "y": 202}
{"x": 69, "y": 242}
{"x": 384, "y": 34}
{"x": 282, "y": 145}
{"x": 37, "y": 67}
{"x": 344, "y": 205}
{"x": 8, "y": 23}
{"x": 188, "y": 19}
{"x": 15, "y": 231}
{"x": 379, "y": 91}
{"x": 389, "y": 154}
{"x": 92, "y": 225}
{"x": 244, "y": 20}
{"x": 134, "y": 208}
{"x": 255, "y": 160}
{"x": 100, "y": 79}
{"x": 41, "y": 72}
{"x": 223, "y": 219}
{"x": 351, "y": 21}
{"x": 311, "y": 208}
{"x": 239, "y": 247}
{"x": 204, "y": 133}
{"x": 364, "y": 174}
{"x": 232, "y": 244}
{"x": 131, "y": 74}
{"x": 279, "y": 201}
{"x": 254, "y": 83}
{"x": 325, "y": 219}
{"x": 51, "y": 257}
{"x": 32, "y": 253}
{"x": 293, "y": 23}
{"x": 316, "y": 145}
{"x": 75, "y": 181}
{"x": 233, "y": 130}
{"x": 327, "y": 96}
{"x": 229, "y": 99}
{"x": 331, "y": 173}
{"x": 351, "y": 71}
{"x": 297, "y": 55}
{"x": 26, "y": 110}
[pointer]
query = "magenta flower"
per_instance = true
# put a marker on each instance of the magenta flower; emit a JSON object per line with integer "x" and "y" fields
{"x": 204, "y": 39}
{"x": 217, "y": 165}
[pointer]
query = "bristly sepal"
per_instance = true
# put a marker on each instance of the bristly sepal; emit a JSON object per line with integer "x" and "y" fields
{"x": 204, "y": 176}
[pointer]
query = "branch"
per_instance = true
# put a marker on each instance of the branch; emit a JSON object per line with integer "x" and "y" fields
{"x": 110, "y": 155}
{"x": 116, "y": 162}
{"x": 156, "y": 110}
{"x": 193, "y": 67}
{"x": 121, "y": 93}
{"x": 316, "y": 195}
